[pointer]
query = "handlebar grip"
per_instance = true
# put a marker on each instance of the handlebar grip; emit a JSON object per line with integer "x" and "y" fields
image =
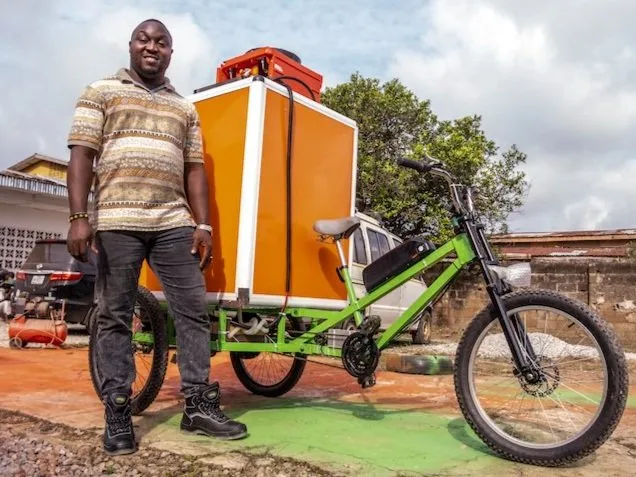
{"x": 417, "y": 165}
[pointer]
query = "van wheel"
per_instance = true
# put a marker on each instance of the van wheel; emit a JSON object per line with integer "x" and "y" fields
{"x": 349, "y": 325}
{"x": 422, "y": 335}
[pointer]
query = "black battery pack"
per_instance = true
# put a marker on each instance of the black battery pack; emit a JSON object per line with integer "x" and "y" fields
{"x": 395, "y": 262}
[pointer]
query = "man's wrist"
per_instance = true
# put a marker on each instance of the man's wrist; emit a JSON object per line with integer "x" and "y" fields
{"x": 206, "y": 227}
{"x": 78, "y": 216}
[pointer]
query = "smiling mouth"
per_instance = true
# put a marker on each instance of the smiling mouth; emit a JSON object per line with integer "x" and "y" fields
{"x": 151, "y": 58}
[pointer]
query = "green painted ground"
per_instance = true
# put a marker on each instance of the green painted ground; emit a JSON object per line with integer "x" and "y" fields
{"x": 358, "y": 438}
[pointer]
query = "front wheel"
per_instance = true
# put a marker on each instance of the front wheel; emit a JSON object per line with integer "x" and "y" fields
{"x": 572, "y": 402}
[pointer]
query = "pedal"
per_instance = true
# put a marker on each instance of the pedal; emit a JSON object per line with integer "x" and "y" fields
{"x": 370, "y": 325}
{"x": 367, "y": 381}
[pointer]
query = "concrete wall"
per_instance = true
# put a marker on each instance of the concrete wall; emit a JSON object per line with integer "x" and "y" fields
{"x": 608, "y": 285}
{"x": 30, "y": 218}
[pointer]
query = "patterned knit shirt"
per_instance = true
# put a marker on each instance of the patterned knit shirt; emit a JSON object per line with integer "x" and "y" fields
{"x": 143, "y": 140}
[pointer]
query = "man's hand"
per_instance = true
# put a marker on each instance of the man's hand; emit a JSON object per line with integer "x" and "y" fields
{"x": 79, "y": 239}
{"x": 202, "y": 239}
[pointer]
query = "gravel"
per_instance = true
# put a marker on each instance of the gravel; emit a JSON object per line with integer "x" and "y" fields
{"x": 495, "y": 346}
{"x": 77, "y": 337}
{"x": 31, "y": 447}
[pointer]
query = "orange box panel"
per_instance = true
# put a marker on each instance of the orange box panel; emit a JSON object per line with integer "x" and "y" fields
{"x": 322, "y": 169}
{"x": 244, "y": 126}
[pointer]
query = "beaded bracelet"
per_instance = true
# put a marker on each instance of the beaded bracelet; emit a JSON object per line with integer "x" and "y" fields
{"x": 78, "y": 215}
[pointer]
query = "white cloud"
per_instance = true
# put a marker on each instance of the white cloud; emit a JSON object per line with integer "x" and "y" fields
{"x": 69, "y": 43}
{"x": 534, "y": 88}
{"x": 65, "y": 49}
{"x": 587, "y": 214}
{"x": 556, "y": 78}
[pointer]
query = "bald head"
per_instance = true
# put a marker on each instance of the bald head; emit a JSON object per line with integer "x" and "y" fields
{"x": 145, "y": 24}
{"x": 150, "y": 51}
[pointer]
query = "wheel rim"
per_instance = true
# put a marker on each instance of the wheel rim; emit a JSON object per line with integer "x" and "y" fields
{"x": 549, "y": 416}
{"x": 268, "y": 369}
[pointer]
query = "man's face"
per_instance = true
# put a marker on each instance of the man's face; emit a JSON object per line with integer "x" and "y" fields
{"x": 150, "y": 50}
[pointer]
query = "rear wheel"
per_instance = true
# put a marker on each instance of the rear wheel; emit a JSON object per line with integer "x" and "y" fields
{"x": 270, "y": 374}
{"x": 570, "y": 402}
{"x": 151, "y": 356}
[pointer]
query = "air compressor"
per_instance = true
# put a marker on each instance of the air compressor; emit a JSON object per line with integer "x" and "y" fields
{"x": 42, "y": 322}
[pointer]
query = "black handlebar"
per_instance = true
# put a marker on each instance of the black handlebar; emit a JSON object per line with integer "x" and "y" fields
{"x": 417, "y": 165}
{"x": 437, "y": 168}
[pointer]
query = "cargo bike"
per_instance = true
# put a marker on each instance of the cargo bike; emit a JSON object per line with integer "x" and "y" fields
{"x": 567, "y": 383}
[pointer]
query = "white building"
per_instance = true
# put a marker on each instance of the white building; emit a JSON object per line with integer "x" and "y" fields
{"x": 33, "y": 205}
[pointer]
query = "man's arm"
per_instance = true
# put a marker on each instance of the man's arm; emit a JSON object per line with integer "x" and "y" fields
{"x": 196, "y": 188}
{"x": 84, "y": 140}
{"x": 79, "y": 178}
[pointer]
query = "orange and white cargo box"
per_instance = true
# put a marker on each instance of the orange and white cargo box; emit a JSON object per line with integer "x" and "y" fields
{"x": 244, "y": 125}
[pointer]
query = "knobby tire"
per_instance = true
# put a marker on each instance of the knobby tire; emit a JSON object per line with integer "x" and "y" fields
{"x": 617, "y": 381}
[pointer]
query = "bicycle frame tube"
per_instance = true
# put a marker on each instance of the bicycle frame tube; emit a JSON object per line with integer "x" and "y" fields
{"x": 459, "y": 246}
{"x": 351, "y": 293}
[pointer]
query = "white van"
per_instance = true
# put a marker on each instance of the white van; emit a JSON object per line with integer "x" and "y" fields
{"x": 371, "y": 241}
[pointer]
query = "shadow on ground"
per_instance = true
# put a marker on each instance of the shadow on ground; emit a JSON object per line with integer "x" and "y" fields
{"x": 362, "y": 437}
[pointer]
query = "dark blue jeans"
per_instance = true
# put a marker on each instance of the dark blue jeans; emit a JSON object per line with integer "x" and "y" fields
{"x": 119, "y": 261}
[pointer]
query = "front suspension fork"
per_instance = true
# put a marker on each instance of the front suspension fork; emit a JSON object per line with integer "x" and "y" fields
{"x": 522, "y": 353}
{"x": 516, "y": 336}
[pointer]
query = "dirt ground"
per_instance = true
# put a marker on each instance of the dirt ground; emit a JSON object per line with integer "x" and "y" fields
{"x": 414, "y": 417}
{"x": 31, "y": 447}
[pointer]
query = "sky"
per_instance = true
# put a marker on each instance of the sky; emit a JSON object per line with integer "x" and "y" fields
{"x": 554, "y": 78}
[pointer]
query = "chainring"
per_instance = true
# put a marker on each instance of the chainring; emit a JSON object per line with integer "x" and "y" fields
{"x": 360, "y": 354}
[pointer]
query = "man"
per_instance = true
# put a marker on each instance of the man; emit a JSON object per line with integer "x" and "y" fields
{"x": 150, "y": 202}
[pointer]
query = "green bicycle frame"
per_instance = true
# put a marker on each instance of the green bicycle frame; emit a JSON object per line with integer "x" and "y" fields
{"x": 323, "y": 320}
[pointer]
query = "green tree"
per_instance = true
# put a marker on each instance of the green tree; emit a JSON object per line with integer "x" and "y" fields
{"x": 393, "y": 122}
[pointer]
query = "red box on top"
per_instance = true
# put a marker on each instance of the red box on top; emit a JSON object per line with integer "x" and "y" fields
{"x": 273, "y": 63}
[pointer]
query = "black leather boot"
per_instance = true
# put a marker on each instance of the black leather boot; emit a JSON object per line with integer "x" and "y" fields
{"x": 119, "y": 435}
{"x": 202, "y": 415}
